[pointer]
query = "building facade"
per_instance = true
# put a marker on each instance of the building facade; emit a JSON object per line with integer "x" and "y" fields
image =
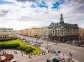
{"x": 63, "y": 31}
{"x": 6, "y": 33}
{"x": 29, "y": 32}
{"x": 25, "y": 32}
{"x": 44, "y": 32}
{"x": 34, "y": 32}
{"x": 81, "y": 33}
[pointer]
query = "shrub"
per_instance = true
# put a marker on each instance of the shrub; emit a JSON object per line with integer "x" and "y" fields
{"x": 27, "y": 49}
{"x": 7, "y": 39}
{"x": 9, "y": 46}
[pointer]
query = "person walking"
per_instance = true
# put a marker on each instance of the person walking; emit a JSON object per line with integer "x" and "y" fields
{"x": 47, "y": 60}
{"x": 70, "y": 55}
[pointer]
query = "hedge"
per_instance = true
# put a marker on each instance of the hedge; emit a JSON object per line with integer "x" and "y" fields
{"x": 9, "y": 46}
{"x": 27, "y": 49}
{"x": 20, "y": 45}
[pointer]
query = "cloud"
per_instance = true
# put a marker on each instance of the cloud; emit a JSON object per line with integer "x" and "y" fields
{"x": 29, "y": 13}
{"x": 26, "y": 0}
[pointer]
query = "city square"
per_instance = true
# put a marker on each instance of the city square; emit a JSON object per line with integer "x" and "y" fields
{"x": 41, "y": 31}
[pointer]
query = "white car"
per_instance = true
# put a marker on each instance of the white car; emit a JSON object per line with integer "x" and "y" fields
{"x": 14, "y": 60}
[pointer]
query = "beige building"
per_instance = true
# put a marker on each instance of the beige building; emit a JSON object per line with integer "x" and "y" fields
{"x": 81, "y": 33}
{"x": 29, "y": 32}
{"x": 6, "y": 32}
{"x": 35, "y": 32}
{"x": 32, "y": 32}
{"x": 44, "y": 32}
{"x": 24, "y": 32}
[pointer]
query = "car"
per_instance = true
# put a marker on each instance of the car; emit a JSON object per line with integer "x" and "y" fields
{"x": 14, "y": 60}
{"x": 55, "y": 43}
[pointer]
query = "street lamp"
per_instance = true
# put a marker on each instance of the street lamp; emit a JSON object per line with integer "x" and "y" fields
{"x": 47, "y": 42}
{"x": 59, "y": 37}
{"x": 47, "y": 45}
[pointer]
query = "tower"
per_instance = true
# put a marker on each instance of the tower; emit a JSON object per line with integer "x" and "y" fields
{"x": 61, "y": 19}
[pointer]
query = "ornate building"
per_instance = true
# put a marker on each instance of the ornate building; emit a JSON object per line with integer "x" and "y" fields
{"x": 63, "y": 31}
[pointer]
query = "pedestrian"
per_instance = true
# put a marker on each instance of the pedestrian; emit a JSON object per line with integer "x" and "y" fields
{"x": 14, "y": 52}
{"x": 47, "y": 60}
{"x": 56, "y": 54}
{"x": 70, "y": 55}
{"x": 22, "y": 53}
{"x": 44, "y": 53}
{"x": 59, "y": 54}
{"x": 48, "y": 51}
{"x": 4, "y": 52}
{"x": 29, "y": 56}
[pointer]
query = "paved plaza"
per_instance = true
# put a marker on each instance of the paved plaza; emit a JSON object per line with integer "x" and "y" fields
{"x": 25, "y": 58}
{"x": 77, "y": 52}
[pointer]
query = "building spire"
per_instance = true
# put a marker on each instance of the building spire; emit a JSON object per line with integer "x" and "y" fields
{"x": 61, "y": 19}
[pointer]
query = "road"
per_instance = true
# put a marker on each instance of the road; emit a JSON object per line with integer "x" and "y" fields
{"x": 77, "y": 52}
{"x": 25, "y": 58}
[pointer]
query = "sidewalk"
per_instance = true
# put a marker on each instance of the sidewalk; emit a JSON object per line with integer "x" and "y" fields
{"x": 26, "y": 58}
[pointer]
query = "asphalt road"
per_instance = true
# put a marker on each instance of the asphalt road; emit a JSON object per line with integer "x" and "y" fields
{"x": 77, "y": 52}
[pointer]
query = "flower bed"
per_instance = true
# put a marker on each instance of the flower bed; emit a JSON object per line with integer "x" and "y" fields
{"x": 8, "y": 57}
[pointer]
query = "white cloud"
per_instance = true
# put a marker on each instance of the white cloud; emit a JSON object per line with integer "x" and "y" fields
{"x": 21, "y": 15}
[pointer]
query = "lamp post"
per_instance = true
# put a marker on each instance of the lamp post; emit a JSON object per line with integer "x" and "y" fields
{"x": 47, "y": 42}
{"x": 47, "y": 45}
{"x": 59, "y": 38}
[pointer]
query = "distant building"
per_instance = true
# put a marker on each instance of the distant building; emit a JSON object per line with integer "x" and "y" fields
{"x": 29, "y": 32}
{"x": 24, "y": 32}
{"x": 63, "y": 31}
{"x": 32, "y": 32}
{"x": 35, "y": 32}
{"x": 6, "y": 29}
{"x": 6, "y": 33}
{"x": 44, "y": 32}
{"x": 81, "y": 33}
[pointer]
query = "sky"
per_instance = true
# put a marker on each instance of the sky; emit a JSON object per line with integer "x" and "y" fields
{"x": 22, "y": 14}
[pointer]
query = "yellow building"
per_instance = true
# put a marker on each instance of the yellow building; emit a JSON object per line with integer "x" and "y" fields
{"x": 6, "y": 33}
{"x": 81, "y": 33}
{"x": 29, "y": 32}
{"x": 24, "y": 32}
{"x": 32, "y": 32}
{"x": 45, "y": 32}
{"x": 35, "y": 32}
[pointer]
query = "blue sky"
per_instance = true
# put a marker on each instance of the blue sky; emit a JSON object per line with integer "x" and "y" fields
{"x": 5, "y": 2}
{"x": 21, "y": 14}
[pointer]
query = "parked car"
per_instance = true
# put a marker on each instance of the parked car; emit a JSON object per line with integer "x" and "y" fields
{"x": 15, "y": 60}
{"x": 55, "y": 43}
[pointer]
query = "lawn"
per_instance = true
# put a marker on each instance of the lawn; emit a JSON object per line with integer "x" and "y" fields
{"x": 22, "y": 43}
